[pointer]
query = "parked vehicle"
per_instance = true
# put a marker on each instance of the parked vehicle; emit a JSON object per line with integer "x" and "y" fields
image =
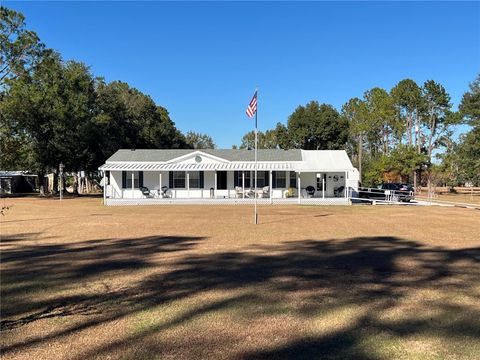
{"x": 388, "y": 192}
{"x": 406, "y": 187}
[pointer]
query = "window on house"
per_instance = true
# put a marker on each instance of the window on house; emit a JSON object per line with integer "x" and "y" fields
{"x": 280, "y": 179}
{"x": 128, "y": 179}
{"x": 247, "y": 179}
{"x": 260, "y": 179}
{"x": 293, "y": 179}
{"x": 321, "y": 177}
{"x": 194, "y": 180}
{"x": 179, "y": 179}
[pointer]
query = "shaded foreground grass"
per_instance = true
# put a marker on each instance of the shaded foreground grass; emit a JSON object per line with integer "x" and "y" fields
{"x": 84, "y": 281}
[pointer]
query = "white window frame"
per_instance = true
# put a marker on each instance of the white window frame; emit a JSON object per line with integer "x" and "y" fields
{"x": 136, "y": 180}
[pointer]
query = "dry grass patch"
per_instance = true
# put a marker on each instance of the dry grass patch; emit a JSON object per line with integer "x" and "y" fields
{"x": 80, "y": 280}
{"x": 461, "y": 198}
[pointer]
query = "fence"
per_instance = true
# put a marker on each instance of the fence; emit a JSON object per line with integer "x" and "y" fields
{"x": 375, "y": 195}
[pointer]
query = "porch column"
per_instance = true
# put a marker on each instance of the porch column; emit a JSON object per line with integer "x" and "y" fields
{"x": 133, "y": 183}
{"x": 188, "y": 184}
{"x": 243, "y": 184}
{"x": 346, "y": 189}
{"x": 160, "y": 182}
{"x": 104, "y": 188}
{"x": 299, "y": 187}
{"x": 323, "y": 186}
{"x": 215, "y": 186}
{"x": 271, "y": 187}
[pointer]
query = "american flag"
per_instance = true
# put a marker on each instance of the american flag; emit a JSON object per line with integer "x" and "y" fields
{"x": 252, "y": 107}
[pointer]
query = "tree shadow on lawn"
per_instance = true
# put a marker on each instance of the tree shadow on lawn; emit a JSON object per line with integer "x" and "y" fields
{"x": 52, "y": 267}
{"x": 18, "y": 237}
{"x": 377, "y": 274}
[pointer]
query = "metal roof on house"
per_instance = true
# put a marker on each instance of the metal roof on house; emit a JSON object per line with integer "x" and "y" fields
{"x": 325, "y": 159}
{"x": 242, "y": 166}
{"x": 271, "y": 159}
{"x": 227, "y": 154}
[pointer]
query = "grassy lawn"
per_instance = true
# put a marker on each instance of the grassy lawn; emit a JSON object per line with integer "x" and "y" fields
{"x": 463, "y": 195}
{"x": 84, "y": 281}
{"x": 457, "y": 198}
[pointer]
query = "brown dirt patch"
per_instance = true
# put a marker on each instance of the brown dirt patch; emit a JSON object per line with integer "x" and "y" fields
{"x": 80, "y": 280}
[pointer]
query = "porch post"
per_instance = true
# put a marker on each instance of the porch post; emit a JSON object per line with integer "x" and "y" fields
{"x": 188, "y": 184}
{"x": 215, "y": 186}
{"x": 133, "y": 183}
{"x": 104, "y": 188}
{"x": 299, "y": 187}
{"x": 345, "y": 187}
{"x": 271, "y": 187}
{"x": 243, "y": 184}
{"x": 323, "y": 186}
{"x": 160, "y": 182}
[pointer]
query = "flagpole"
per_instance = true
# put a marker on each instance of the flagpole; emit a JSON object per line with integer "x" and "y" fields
{"x": 256, "y": 141}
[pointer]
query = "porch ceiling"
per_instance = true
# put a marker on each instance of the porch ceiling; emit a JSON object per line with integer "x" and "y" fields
{"x": 149, "y": 166}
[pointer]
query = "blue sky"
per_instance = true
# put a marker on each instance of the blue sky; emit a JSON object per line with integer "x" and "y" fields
{"x": 203, "y": 60}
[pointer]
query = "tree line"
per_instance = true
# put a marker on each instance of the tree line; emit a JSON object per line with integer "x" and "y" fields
{"x": 55, "y": 111}
{"x": 404, "y": 134}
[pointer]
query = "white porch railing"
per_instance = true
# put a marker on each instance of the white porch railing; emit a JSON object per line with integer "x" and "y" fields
{"x": 227, "y": 196}
{"x": 229, "y": 201}
{"x": 112, "y": 193}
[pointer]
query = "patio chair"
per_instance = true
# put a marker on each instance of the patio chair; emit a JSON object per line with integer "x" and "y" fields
{"x": 239, "y": 192}
{"x": 310, "y": 190}
{"x": 165, "y": 192}
{"x": 146, "y": 192}
{"x": 249, "y": 193}
{"x": 338, "y": 191}
{"x": 265, "y": 192}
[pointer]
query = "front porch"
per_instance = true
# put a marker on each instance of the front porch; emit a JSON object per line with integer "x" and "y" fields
{"x": 235, "y": 187}
{"x": 229, "y": 201}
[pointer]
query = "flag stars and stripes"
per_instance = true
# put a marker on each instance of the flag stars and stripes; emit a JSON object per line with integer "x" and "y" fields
{"x": 252, "y": 107}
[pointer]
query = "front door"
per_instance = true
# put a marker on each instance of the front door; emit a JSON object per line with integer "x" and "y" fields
{"x": 221, "y": 180}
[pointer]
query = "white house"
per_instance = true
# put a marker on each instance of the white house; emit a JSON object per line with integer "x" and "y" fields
{"x": 228, "y": 176}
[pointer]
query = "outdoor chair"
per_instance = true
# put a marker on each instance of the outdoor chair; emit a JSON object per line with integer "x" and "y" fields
{"x": 165, "y": 192}
{"x": 249, "y": 193}
{"x": 310, "y": 190}
{"x": 239, "y": 192}
{"x": 265, "y": 192}
{"x": 338, "y": 191}
{"x": 146, "y": 192}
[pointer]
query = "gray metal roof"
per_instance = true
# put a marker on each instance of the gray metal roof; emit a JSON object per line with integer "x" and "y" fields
{"x": 277, "y": 160}
{"x": 242, "y": 166}
{"x": 163, "y": 155}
